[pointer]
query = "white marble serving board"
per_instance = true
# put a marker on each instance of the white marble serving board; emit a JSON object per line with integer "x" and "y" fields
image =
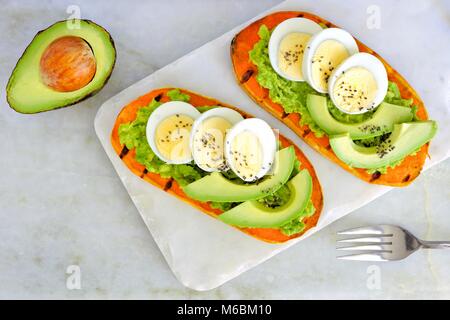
{"x": 204, "y": 253}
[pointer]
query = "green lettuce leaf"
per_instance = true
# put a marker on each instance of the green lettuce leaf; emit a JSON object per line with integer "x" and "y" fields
{"x": 176, "y": 95}
{"x": 393, "y": 96}
{"x": 296, "y": 226}
{"x": 224, "y": 206}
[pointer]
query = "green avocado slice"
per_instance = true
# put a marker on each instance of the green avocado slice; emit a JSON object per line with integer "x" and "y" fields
{"x": 26, "y": 92}
{"x": 253, "y": 214}
{"x": 381, "y": 122}
{"x": 404, "y": 140}
{"x": 215, "y": 187}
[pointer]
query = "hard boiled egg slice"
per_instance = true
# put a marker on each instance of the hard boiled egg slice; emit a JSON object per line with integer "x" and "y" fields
{"x": 324, "y": 52}
{"x": 359, "y": 84}
{"x": 168, "y": 131}
{"x": 250, "y": 148}
{"x": 208, "y": 138}
{"x": 287, "y": 44}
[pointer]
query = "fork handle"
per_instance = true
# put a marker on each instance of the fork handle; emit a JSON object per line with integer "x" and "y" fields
{"x": 435, "y": 244}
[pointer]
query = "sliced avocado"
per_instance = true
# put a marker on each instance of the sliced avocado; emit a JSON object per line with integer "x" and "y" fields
{"x": 215, "y": 187}
{"x": 381, "y": 122}
{"x": 404, "y": 140}
{"x": 254, "y": 214}
{"x": 27, "y": 90}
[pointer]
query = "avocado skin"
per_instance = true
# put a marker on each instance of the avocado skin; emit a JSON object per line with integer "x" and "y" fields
{"x": 82, "y": 98}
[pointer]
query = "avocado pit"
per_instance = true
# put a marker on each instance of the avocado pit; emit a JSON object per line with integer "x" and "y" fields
{"x": 67, "y": 64}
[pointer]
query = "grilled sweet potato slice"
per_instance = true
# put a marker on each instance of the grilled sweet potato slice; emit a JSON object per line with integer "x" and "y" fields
{"x": 246, "y": 73}
{"x": 128, "y": 114}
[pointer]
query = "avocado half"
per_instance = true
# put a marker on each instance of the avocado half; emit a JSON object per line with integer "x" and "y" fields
{"x": 26, "y": 91}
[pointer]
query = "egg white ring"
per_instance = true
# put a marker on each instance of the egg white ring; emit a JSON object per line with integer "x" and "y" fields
{"x": 374, "y": 66}
{"x": 313, "y": 44}
{"x": 266, "y": 138}
{"x": 228, "y": 114}
{"x": 162, "y": 112}
{"x": 288, "y": 26}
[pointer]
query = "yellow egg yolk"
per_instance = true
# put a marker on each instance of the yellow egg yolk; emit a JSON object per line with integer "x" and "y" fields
{"x": 327, "y": 57}
{"x": 209, "y": 143}
{"x": 246, "y": 155}
{"x": 290, "y": 54}
{"x": 355, "y": 89}
{"x": 172, "y": 137}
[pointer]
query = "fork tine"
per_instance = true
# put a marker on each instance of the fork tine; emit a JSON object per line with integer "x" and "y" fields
{"x": 366, "y": 247}
{"x": 362, "y": 230}
{"x": 364, "y": 239}
{"x": 375, "y": 256}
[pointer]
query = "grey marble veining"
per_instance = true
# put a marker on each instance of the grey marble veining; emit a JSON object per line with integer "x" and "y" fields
{"x": 62, "y": 204}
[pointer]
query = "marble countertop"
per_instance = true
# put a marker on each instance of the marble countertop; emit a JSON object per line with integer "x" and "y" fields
{"x": 62, "y": 204}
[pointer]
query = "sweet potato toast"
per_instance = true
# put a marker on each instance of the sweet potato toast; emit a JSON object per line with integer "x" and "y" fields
{"x": 128, "y": 114}
{"x": 246, "y": 72}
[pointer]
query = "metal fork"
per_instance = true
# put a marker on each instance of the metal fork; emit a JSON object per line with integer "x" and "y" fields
{"x": 383, "y": 243}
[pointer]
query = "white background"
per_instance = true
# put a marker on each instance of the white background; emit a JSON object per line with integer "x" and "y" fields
{"x": 61, "y": 202}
